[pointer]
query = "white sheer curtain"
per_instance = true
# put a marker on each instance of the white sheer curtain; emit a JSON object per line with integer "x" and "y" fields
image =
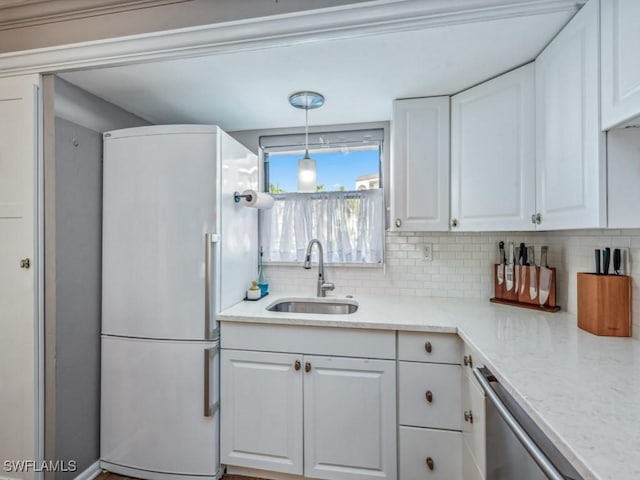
{"x": 350, "y": 226}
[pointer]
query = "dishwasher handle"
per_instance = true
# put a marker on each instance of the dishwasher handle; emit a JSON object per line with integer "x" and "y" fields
{"x": 484, "y": 376}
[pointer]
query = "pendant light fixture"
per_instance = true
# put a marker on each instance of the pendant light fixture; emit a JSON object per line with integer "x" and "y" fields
{"x": 307, "y": 174}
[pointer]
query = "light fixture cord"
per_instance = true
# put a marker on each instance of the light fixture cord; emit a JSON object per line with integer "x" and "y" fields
{"x": 306, "y": 131}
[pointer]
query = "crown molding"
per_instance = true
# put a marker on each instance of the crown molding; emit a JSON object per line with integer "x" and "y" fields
{"x": 369, "y": 18}
{"x": 27, "y": 13}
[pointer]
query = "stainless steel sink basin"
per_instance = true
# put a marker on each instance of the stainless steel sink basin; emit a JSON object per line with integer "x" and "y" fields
{"x": 321, "y": 306}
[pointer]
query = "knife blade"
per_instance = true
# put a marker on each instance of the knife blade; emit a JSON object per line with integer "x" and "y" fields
{"x": 533, "y": 287}
{"x": 509, "y": 271}
{"x": 616, "y": 261}
{"x": 523, "y": 263}
{"x": 545, "y": 276}
{"x": 501, "y": 263}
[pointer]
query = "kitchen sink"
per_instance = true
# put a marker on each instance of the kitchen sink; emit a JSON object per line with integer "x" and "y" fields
{"x": 321, "y": 306}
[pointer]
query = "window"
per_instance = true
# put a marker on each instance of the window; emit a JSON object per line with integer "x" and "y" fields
{"x": 346, "y": 213}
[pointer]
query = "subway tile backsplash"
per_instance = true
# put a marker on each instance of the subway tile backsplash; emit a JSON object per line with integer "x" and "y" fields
{"x": 462, "y": 265}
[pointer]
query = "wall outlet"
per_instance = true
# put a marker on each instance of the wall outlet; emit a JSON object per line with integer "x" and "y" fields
{"x": 427, "y": 252}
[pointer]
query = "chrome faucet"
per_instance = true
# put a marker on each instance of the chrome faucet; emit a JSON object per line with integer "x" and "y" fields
{"x": 322, "y": 286}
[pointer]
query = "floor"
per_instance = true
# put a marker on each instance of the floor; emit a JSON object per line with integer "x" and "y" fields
{"x": 113, "y": 476}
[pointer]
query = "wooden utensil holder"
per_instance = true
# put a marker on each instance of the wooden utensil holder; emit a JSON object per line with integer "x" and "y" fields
{"x": 522, "y": 298}
{"x": 604, "y": 304}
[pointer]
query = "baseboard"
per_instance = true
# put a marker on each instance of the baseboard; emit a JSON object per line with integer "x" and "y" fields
{"x": 90, "y": 473}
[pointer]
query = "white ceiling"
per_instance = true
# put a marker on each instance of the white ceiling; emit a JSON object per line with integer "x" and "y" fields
{"x": 359, "y": 76}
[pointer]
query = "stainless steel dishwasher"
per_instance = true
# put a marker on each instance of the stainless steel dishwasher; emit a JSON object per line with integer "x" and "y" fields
{"x": 516, "y": 447}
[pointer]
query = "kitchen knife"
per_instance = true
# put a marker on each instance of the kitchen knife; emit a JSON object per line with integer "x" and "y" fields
{"x": 509, "y": 270}
{"x": 523, "y": 264}
{"x": 501, "y": 263}
{"x": 533, "y": 288}
{"x": 597, "y": 255}
{"x": 516, "y": 270}
{"x": 616, "y": 261}
{"x": 545, "y": 276}
{"x": 606, "y": 258}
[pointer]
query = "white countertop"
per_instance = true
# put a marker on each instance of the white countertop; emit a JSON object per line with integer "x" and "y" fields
{"x": 581, "y": 389}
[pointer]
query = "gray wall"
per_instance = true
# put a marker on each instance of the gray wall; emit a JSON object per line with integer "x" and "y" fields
{"x": 78, "y": 276}
{"x": 74, "y": 121}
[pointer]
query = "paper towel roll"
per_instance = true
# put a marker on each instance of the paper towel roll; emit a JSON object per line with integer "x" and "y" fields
{"x": 260, "y": 200}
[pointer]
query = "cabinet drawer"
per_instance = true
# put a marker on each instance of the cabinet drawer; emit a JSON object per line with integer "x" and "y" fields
{"x": 443, "y": 448}
{"x": 474, "y": 433}
{"x": 429, "y": 347}
{"x": 339, "y": 342}
{"x": 429, "y": 395}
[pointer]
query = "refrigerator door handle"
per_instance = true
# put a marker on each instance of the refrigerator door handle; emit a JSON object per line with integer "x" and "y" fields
{"x": 209, "y": 240}
{"x": 209, "y": 408}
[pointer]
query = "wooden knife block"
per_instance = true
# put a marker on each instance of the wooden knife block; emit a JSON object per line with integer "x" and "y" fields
{"x": 523, "y": 298}
{"x": 604, "y": 304}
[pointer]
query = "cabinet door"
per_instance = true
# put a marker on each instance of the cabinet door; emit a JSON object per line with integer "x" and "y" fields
{"x": 570, "y": 157}
{"x": 349, "y": 418}
{"x": 620, "y": 42}
{"x": 261, "y": 410}
{"x": 623, "y": 172}
{"x": 493, "y": 154}
{"x": 474, "y": 425}
{"x": 18, "y": 291}
{"x": 420, "y": 164}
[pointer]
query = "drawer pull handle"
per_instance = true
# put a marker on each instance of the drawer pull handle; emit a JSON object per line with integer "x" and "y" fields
{"x": 468, "y": 361}
{"x": 430, "y": 463}
{"x": 468, "y": 416}
{"x": 427, "y": 347}
{"x": 429, "y": 396}
{"x": 307, "y": 367}
{"x": 297, "y": 365}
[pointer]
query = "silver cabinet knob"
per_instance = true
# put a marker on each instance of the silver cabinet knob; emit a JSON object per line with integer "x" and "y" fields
{"x": 468, "y": 416}
{"x": 398, "y": 222}
{"x": 454, "y": 222}
{"x": 536, "y": 219}
{"x": 468, "y": 361}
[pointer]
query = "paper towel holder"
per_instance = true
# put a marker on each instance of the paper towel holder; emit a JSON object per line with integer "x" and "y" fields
{"x": 237, "y": 196}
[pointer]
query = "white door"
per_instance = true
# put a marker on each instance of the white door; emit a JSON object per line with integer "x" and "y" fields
{"x": 261, "y": 410}
{"x": 349, "y": 418}
{"x": 159, "y": 202}
{"x": 570, "y": 157}
{"x": 620, "y": 62}
{"x": 18, "y": 322}
{"x": 420, "y": 164}
{"x": 153, "y": 404}
{"x": 493, "y": 154}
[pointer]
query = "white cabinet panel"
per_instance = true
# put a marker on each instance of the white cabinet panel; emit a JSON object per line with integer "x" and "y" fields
{"x": 493, "y": 154}
{"x": 429, "y": 347}
{"x": 623, "y": 172}
{"x": 620, "y": 62}
{"x": 422, "y": 448}
{"x": 18, "y": 171}
{"x": 261, "y": 410}
{"x": 474, "y": 425}
{"x": 570, "y": 157}
{"x": 420, "y": 164}
{"x": 135, "y": 426}
{"x": 429, "y": 395}
{"x": 349, "y": 418}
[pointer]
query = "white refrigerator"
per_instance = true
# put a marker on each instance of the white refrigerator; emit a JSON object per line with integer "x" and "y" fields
{"x": 171, "y": 233}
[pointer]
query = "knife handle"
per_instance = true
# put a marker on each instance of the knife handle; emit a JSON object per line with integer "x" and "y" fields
{"x": 597, "y": 255}
{"x": 616, "y": 261}
{"x": 606, "y": 260}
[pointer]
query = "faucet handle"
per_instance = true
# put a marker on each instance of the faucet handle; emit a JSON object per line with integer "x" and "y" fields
{"x": 327, "y": 286}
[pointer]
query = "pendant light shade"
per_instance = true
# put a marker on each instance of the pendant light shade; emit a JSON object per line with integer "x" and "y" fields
{"x": 307, "y": 173}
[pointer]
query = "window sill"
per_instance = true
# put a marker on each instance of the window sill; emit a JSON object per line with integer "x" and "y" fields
{"x": 331, "y": 265}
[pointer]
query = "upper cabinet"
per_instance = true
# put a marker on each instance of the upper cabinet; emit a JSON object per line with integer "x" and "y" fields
{"x": 420, "y": 165}
{"x": 570, "y": 153}
{"x": 620, "y": 63}
{"x": 493, "y": 154}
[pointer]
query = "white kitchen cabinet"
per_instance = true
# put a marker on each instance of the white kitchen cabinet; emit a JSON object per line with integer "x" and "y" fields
{"x": 429, "y": 347}
{"x": 430, "y": 454}
{"x": 474, "y": 424}
{"x": 620, "y": 41}
{"x": 346, "y": 407}
{"x": 349, "y": 418}
{"x": 570, "y": 156}
{"x": 623, "y": 165}
{"x": 420, "y": 165}
{"x": 493, "y": 154}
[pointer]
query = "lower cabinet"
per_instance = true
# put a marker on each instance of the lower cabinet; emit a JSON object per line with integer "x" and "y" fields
{"x": 426, "y": 453}
{"x": 311, "y": 415}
